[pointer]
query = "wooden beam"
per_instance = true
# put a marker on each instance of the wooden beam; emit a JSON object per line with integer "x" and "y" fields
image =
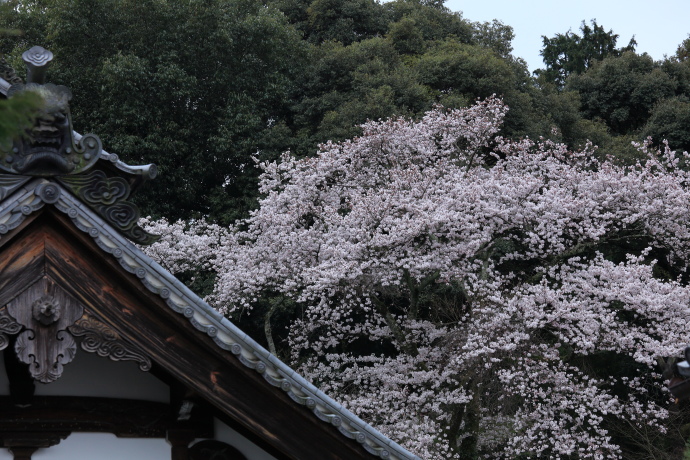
{"x": 122, "y": 417}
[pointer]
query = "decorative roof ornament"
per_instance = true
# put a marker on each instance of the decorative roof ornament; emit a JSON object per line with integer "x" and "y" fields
{"x": 48, "y": 148}
{"x": 52, "y": 149}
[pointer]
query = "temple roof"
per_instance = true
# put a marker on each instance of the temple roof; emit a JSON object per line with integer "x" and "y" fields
{"x": 24, "y": 196}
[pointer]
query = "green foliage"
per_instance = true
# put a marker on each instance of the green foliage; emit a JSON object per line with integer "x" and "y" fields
{"x": 622, "y": 91}
{"x": 569, "y": 53}
{"x": 683, "y": 51}
{"x": 17, "y": 114}
{"x": 406, "y": 37}
{"x": 495, "y": 35}
{"x": 434, "y": 21}
{"x": 466, "y": 69}
{"x": 621, "y": 149}
{"x": 345, "y": 21}
{"x": 401, "y": 74}
{"x": 295, "y": 11}
{"x": 200, "y": 87}
{"x": 192, "y": 86}
{"x": 621, "y": 98}
{"x": 670, "y": 120}
{"x": 679, "y": 72}
{"x": 459, "y": 72}
{"x": 15, "y": 32}
{"x": 564, "y": 116}
{"x": 346, "y": 85}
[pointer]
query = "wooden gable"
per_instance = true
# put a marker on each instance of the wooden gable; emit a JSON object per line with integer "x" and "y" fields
{"x": 47, "y": 253}
{"x": 72, "y": 282}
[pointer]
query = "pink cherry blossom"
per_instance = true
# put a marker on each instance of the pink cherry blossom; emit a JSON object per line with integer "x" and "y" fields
{"x": 450, "y": 286}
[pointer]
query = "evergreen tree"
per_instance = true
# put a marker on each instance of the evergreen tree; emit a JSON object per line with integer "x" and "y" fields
{"x": 569, "y": 53}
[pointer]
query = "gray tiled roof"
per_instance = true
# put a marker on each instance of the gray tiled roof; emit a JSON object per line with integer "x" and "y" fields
{"x": 26, "y": 196}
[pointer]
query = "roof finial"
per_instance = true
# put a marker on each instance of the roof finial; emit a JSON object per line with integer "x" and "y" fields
{"x": 37, "y": 60}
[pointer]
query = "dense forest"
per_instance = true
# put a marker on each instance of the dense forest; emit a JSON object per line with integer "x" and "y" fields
{"x": 496, "y": 261}
{"x": 200, "y": 88}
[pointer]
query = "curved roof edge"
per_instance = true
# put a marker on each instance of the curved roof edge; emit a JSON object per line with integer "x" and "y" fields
{"x": 35, "y": 194}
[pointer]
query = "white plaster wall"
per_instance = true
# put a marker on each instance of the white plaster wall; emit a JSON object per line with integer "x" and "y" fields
{"x": 100, "y": 446}
{"x": 91, "y": 375}
{"x": 104, "y": 446}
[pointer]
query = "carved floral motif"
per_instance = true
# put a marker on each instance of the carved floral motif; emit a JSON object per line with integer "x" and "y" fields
{"x": 46, "y": 311}
{"x": 45, "y": 362}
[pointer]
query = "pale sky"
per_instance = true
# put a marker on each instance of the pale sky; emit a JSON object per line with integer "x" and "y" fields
{"x": 659, "y": 26}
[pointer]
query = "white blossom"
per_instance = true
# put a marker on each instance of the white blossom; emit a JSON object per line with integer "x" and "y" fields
{"x": 523, "y": 249}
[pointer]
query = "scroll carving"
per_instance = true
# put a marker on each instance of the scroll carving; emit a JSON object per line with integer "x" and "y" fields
{"x": 108, "y": 196}
{"x": 45, "y": 311}
{"x": 102, "y": 340}
{"x": 7, "y": 326}
{"x": 98, "y": 189}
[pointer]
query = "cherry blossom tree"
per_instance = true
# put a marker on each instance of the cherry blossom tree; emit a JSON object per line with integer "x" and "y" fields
{"x": 469, "y": 295}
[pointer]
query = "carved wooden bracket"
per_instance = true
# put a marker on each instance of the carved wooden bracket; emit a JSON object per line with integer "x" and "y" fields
{"x": 46, "y": 311}
{"x": 51, "y": 318}
{"x": 100, "y": 339}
